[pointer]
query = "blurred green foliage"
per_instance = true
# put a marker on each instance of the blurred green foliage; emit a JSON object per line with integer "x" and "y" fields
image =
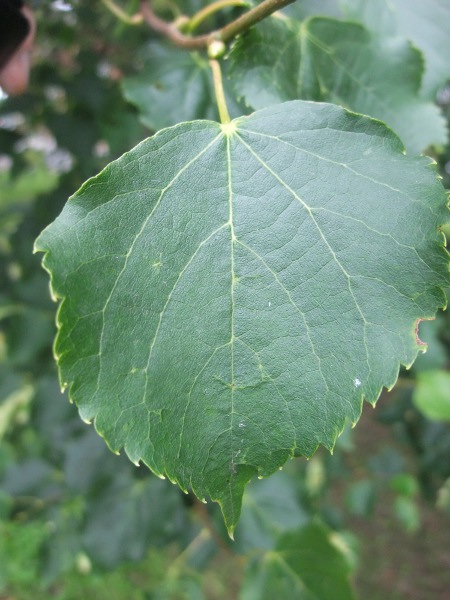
{"x": 76, "y": 520}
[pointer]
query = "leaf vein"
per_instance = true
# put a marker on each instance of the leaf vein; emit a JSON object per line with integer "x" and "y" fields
{"x": 316, "y": 224}
{"x": 137, "y": 237}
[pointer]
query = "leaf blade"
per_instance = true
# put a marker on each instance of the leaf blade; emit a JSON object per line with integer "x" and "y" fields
{"x": 241, "y": 315}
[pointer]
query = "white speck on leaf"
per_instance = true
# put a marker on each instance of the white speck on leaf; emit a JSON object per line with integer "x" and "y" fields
{"x": 242, "y": 425}
{"x": 357, "y": 382}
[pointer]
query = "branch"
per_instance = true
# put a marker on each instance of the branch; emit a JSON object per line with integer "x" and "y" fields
{"x": 212, "y": 8}
{"x": 244, "y": 22}
{"x": 241, "y": 24}
{"x": 169, "y": 30}
{"x": 121, "y": 14}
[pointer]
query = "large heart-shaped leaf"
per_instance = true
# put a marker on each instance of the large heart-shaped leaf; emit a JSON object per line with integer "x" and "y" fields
{"x": 341, "y": 62}
{"x": 230, "y": 294}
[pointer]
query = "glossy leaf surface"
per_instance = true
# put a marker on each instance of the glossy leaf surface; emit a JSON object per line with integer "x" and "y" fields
{"x": 230, "y": 294}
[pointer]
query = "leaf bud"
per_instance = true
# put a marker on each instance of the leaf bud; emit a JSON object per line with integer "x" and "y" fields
{"x": 216, "y": 49}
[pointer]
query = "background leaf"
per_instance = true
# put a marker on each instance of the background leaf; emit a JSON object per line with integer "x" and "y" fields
{"x": 257, "y": 281}
{"x": 306, "y": 565}
{"x": 173, "y": 86}
{"x": 270, "y": 507}
{"x": 167, "y": 69}
{"x": 308, "y": 8}
{"x": 426, "y": 24}
{"x": 340, "y": 62}
{"x": 432, "y": 394}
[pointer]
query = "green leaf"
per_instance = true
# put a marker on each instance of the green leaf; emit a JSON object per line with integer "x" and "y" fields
{"x": 340, "y": 62}
{"x": 23, "y": 189}
{"x": 128, "y": 516}
{"x": 153, "y": 90}
{"x": 231, "y": 293}
{"x": 173, "y": 86}
{"x": 267, "y": 578}
{"x": 404, "y": 484}
{"x": 426, "y": 24}
{"x": 270, "y": 507}
{"x": 360, "y": 498}
{"x": 306, "y": 565}
{"x": 432, "y": 394}
{"x": 407, "y": 512}
{"x": 310, "y": 8}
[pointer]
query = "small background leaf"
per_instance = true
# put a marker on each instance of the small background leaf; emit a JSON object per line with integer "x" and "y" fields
{"x": 167, "y": 68}
{"x": 270, "y": 507}
{"x": 306, "y": 565}
{"x": 432, "y": 394}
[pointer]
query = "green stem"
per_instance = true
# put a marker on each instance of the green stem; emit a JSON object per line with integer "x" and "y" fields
{"x": 209, "y": 10}
{"x": 247, "y": 20}
{"x": 218, "y": 89}
{"x": 241, "y": 24}
{"x": 121, "y": 14}
{"x": 170, "y": 31}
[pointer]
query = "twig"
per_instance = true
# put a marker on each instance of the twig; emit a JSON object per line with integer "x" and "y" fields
{"x": 121, "y": 14}
{"x": 210, "y": 9}
{"x": 170, "y": 31}
{"x": 225, "y": 34}
{"x": 245, "y": 21}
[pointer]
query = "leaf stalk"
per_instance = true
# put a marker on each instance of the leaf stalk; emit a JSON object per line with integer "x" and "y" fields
{"x": 219, "y": 91}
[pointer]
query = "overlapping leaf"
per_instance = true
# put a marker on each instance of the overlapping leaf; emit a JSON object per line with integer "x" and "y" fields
{"x": 270, "y": 508}
{"x": 167, "y": 69}
{"x": 173, "y": 86}
{"x": 341, "y": 62}
{"x": 231, "y": 293}
{"x": 426, "y": 24}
